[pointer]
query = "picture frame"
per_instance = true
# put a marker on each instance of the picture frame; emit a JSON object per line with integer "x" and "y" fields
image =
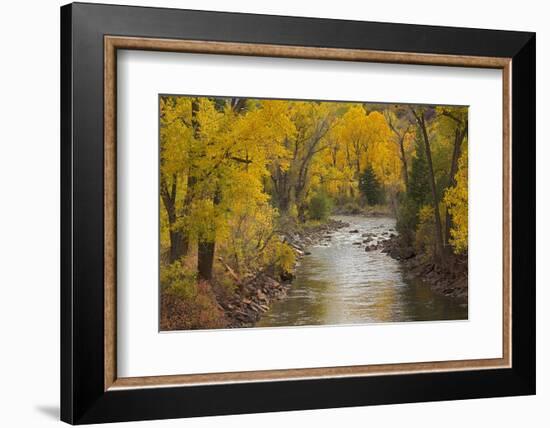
{"x": 91, "y": 390}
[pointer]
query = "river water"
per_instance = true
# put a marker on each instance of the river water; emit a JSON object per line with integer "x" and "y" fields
{"x": 341, "y": 283}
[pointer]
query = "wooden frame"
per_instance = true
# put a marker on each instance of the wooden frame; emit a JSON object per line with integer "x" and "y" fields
{"x": 112, "y": 43}
{"x": 512, "y": 52}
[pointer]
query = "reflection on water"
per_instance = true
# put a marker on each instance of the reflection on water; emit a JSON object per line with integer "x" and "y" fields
{"x": 340, "y": 283}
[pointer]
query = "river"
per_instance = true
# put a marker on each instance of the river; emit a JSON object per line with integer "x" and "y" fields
{"x": 340, "y": 283}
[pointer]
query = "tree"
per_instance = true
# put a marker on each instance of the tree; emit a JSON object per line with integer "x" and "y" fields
{"x": 206, "y": 245}
{"x": 401, "y": 127}
{"x": 370, "y": 187}
{"x": 421, "y": 115}
{"x": 291, "y": 173}
{"x": 419, "y": 184}
{"x": 176, "y": 145}
{"x": 457, "y": 121}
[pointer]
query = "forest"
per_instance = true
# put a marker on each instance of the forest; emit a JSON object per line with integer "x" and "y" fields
{"x": 239, "y": 177}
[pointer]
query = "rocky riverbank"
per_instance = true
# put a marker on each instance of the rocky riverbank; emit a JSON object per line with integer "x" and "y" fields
{"x": 255, "y": 295}
{"x": 449, "y": 280}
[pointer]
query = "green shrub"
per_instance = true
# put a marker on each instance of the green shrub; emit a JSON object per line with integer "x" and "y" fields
{"x": 320, "y": 207}
{"x": 176, "y": 279}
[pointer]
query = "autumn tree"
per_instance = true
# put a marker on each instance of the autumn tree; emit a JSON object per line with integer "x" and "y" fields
{"x": 454, "y": 126}
{"x": 291, "y": 173}
{"x": 177, "y": 142}
{"x": 400, "y": 125}
{"x": 422, "y": 116}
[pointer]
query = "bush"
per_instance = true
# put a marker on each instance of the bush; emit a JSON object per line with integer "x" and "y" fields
{"x": 200, "y": 311}
{"x": 424, "y": 240}
{"x": 278, "y": 258}
{"x": 351, "y": 208}
{"x": 176, "y": 279}
{"x": 320, "y": 207}
{"x": 186, "y": 303}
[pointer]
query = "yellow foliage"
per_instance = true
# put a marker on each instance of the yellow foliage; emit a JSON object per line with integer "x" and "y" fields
{"x": 456, "y": 200}
{"x": 226, "y": 171}
{"x": 424, "y": 231}
{"x": 366, "y": 139}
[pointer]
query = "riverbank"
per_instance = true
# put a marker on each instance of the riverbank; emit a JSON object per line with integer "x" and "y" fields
{"x": 256, "y": 294}
{"x": 363, "y": 264}
{"x": 450, "y": 280}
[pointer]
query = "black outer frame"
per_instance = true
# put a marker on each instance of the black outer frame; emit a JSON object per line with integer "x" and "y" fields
{"x": 83, "y": 399}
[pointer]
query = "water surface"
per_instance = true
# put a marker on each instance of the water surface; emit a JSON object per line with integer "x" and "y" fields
{"x": 341, "y": 283}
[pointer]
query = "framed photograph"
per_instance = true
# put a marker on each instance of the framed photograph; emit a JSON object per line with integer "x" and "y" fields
{"x": 266, "y": 213}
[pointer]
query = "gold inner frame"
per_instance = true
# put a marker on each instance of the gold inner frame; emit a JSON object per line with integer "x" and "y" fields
{"x": 112, "y": 43}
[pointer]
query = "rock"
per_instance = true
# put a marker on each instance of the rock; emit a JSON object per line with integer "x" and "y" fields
{"x": 261, "y": 295}
{"x": 357, "y": 243}
{"x": 296, "y": 247}
{"x": 287, "y": 276}
{"x": 408, "y": 254}
{"x": 270, "y": 282}
{"x": 354, "y": 231}
{"x": 307, "y": 253}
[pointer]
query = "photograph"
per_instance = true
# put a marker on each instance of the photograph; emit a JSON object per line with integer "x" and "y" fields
{"x": 283, "y": 212}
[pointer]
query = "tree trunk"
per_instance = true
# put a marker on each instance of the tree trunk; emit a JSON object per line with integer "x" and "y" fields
{"x": 206, "y": 250}
{"x": 207, "y": 247}
{"x": 179, "y": 243}
{"x": 206, "y": 259}
{"x": 301, "y": 207}
{"x": 281, "y": 189}
{"x": 438, "y": 232}
{"x": 404, "y": 162}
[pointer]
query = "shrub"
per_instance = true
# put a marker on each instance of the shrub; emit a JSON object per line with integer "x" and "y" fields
{"x": 424, "y": 240}
{"x": 352, "y": 208}
{"x": 176, "y": 279}
{"x": 278, "y": 257}
{"x": 199, "y": 311}
{"x": 186, "y": 303}
{"x": 320, "y": 207}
